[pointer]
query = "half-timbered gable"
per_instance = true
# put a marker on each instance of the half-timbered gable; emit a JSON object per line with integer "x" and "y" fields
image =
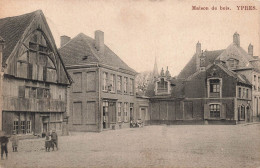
{"x": 34, "y": 85}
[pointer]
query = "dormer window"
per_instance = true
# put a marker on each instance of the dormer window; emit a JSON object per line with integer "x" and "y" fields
{"x": 162, "y": 86}
{"x": 233, "y": 63}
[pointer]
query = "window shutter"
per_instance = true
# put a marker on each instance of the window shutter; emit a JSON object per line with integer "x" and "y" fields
{"x": 44, "y": 73}
{"x": 206, "y": 111}
{"x": 21, "y": 91}
{"x": 30, "y": 73}
{"x": 223, "y": 111}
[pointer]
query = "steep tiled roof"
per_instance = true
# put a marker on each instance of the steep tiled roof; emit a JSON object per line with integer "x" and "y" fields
{"x": 190, "y": 67}
{"x": 11, "y": 30}
{"x": 240, "y": 78}
{"x": 82, "y": 46}
{"x": 1, "y": 40}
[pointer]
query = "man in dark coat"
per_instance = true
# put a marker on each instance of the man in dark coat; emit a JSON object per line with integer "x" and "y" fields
{"x": 54, "y": 138}
{"x": 4, "y": 141}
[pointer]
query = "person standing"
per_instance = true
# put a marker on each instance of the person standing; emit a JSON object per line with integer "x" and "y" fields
{"x": 48, "y": 142}
{"x": 4, "y": 142}
{"x": 54, "y": 138}
{"x": 15, "y": 141}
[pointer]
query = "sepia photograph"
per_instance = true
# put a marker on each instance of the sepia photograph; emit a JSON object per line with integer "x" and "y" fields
{"x": 130, "y": 83}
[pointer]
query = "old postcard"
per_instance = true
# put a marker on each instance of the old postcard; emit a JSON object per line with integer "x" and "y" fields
{"x": 134, "y": 83}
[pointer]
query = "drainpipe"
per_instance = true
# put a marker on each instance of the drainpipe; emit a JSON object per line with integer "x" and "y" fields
{"x": 100, "y": 114}
{"x": 2, "y": 43}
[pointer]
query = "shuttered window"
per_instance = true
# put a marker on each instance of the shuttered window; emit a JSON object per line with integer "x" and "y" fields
{"x": 21, "y": 91}
{"x": 214, "y": 111}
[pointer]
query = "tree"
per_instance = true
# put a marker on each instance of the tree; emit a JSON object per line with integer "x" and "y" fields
{"x": 143, "y": 81}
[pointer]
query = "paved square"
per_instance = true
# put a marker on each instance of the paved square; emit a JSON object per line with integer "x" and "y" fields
{"x": 152, "y": 146}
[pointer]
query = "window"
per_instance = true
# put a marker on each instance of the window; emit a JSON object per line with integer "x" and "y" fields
{"x": 233, "y": 63}
{"x": 214, "y": 89}
{"x": 131, "y": 86}
{"x": 119, "y": 112}
{"x": 28, "y": 127}
{"x": 119, "y": 84}
{"x": 125, "y": 84}
{"x": 23, "y": 127}
{"x": 247, "y": 93}
{"x": 259, "y": 84}
{"x": 214, "y": 111}
{"x": 125, "y": 112}
{"x": 15, "y": 127}
{"x": 214, "y": 86}
{"x": 32, "y": 92}
{"x": 162, "y": 86}
{"x": 244, "y": 93}
{"x": 58, "y": 117}
{"x": 77, "y": 85}
{"x": 105, "y": 81}
{"x": 112, "y": 82}
{"x": 239, "y": 92}
{"x": 46, "y": 93}
{"x": 39, "y": 93}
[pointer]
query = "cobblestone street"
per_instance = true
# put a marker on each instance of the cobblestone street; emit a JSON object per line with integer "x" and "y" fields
{"x": 152, "y": 146}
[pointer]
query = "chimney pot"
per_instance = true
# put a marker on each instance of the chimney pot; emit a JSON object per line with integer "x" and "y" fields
{"x": 99, "y": 41}
{"x": 63, "y": 40}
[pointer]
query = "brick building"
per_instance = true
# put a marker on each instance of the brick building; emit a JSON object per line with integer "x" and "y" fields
{"x": 33, "y": 78}
{"x": 212, "y": 88}
{"x": 102, "y": 95}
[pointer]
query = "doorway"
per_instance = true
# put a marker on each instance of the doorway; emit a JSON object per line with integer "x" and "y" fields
{"x": 45, "y": 125}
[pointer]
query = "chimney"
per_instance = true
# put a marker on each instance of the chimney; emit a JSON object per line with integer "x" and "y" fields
{"x": 198, "y": 48}
{"x": 236, "y": 39}
{"x": 63, "y": 40}
{"x": 202, "y": 61}
{"x": 2, "y": 45}
{"x": 198, "y": 52}
{"x": 99, "y": 41}
{"x": 250, "y": 50}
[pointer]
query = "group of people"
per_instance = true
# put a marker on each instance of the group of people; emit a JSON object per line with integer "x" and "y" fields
{"x": 4, "y": 139}
{"x": 51, "y": 141}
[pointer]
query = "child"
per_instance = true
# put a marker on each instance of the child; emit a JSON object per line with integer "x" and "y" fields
{"x": 14, "y": 139}
{"x": 48, "y": 142}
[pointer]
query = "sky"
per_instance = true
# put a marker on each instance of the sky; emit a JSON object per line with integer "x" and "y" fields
{"x": 140, "y": 30}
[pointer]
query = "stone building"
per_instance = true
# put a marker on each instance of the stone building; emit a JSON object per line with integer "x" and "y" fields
{"x": 102, "y": 95}
{"x": 33, "y": 77}
{"x": 214, "y": 87}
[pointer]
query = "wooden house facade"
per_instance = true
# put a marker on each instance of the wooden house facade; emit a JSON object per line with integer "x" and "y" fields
{"x": 34, "y": 80}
